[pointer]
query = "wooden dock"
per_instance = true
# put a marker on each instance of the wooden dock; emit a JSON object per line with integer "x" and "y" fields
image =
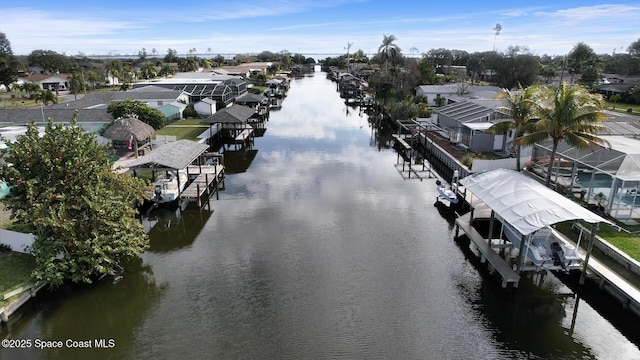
{"x": 207, "y": 182}
{"x": 487, "y": 253}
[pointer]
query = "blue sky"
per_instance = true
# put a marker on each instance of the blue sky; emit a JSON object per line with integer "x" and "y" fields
{"x": 315, "y": 27}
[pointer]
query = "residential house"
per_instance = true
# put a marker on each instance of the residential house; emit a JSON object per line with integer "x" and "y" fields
{"x": 154, "y": 96}
{"x": 465, "y": 124}
{"x": 52, "y": 82}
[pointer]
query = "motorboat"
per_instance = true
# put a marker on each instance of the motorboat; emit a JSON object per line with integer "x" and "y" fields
{"x": 546, "y": 249}
{"x": 446, "y": 193}
{"x": 168, "y": 188}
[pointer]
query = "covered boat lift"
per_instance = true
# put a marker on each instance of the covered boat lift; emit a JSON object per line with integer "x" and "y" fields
{"x": 527, "y": 206}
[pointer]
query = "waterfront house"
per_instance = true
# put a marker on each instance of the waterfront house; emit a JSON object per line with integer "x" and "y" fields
{"x": 465, "y": 124}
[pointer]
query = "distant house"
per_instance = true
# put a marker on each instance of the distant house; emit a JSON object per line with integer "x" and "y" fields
{"x": 49, "y": 82}
{"x": 205, "y": 106}
{"x": 154, "y": 96}
{"x": 455, "y": 92}
{"x": 238, "y": 86}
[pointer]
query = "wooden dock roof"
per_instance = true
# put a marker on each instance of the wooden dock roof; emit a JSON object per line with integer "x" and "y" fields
{"x": 234, "y": 114}
{"x": 173, "y": 156}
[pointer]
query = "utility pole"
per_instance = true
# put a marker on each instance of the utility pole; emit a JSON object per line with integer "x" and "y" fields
{"x": 348, "y": 48}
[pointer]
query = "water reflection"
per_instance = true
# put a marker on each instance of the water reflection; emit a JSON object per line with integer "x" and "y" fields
{"x": 175, "y": 228}
{"x": 104, "y": 310}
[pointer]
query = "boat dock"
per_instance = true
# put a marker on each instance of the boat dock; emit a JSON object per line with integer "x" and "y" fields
{"x": 496, "y": 263}
{"x": 405, "y": 151}
{"x": 207, "y": 182}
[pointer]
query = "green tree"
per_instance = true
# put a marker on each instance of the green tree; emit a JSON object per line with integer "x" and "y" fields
{"x": 93, "y": 79}
{"x": 579, "y": 56}
{"x": 615, "y": 98}
{"x": 5, "y": 45}
{"x": 47, "y": 96}
{"x": 138, "y": 109}
{"x": 569, "y": 114}
{"x": 78, "y": 208}
{"x": 520, "y": 107}
{"x": 51, "y": 61}
{"x": 388, "y": 50}
{"x": 77, "y": 84}
{"x": 172, "y": 56}
{"x": 9, "y": 64}
{"x": 29, "y": 88}
{"x": 148, "y": 70}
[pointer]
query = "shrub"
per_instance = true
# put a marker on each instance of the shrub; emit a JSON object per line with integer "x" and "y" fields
{"x": 629, "y": 110}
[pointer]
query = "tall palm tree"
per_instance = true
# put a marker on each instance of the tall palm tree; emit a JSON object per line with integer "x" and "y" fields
{"x": 388, "y": 50}
{"x": 520, "y": 106}
{"x": 148, "y": 70}
{"x": 569, "y": 114}
{"x": 76, "y": 84}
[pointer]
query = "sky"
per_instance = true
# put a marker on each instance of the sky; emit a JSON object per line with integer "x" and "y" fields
{"x": 318, "y": 27}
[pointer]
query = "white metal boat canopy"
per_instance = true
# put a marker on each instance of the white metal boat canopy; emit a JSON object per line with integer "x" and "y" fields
{"x": 523, "y": 202}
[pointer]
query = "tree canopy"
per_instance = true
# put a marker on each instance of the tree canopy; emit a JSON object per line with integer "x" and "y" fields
{"x": 80, "y": 211}
{"x": 8, "y": 63}
{"x": 137, "y": 109}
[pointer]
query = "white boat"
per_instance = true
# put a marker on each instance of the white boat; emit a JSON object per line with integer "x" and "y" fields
{"x": 168, "y": 189}
{"x": 546, "y": 249}
{"x": 446, "y": 193}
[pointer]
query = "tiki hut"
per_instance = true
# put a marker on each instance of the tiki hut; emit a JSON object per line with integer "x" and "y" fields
{"x": 130, "y": 134}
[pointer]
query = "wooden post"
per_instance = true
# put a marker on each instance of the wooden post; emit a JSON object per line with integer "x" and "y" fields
{"x": 592, "y": 236}
{"x": 198, "y": 195}
{"x": 491, "y": 221}
{"x": 521, "y": 255}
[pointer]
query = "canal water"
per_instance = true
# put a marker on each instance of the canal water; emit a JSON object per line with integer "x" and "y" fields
{"x": 319, "y": 248}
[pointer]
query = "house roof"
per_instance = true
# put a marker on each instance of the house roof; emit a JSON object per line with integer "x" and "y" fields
{"x": 208, "y": 101}
{"x": 523, "y": 202}
{"x": 42, "y": 77}
{"x": 64, "y": 115}
{"x": 174, "y": 155}
{"x": 123, "y": 128}
{"x": 234, "y": 114}
{"x": 250, "y": 98}
{"x": 465, "y": 111}
{"x": 145, "y": 95}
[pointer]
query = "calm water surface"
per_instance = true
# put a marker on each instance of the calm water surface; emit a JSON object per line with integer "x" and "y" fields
{"x": 317, "y": 249}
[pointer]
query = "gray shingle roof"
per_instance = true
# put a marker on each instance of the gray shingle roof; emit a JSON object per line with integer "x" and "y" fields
{"x": 174, "y": 155}
{"x": 235, "y": 114}
{"x": 27, "y": 116}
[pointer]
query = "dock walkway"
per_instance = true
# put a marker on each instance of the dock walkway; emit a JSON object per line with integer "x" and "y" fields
{"x": 206, "y": 182}
{"x": 617, "y": 286}
{"x": 487, "y": 252}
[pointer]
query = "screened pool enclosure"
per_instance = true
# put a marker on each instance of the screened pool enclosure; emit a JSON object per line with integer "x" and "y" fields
{"x": 606, "y": 177}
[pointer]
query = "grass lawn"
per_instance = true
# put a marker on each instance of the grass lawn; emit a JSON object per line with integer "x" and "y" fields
{"x": 17, "y": 100}
{"x": 15, "y": 270}
{"x": 184, "y": 129}
{"x": 622, "y": 108}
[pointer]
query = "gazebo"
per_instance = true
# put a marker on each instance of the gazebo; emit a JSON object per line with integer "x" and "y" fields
{"x": 130, "y": 134}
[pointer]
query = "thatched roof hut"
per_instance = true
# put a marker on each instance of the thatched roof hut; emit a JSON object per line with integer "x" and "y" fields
{"x": 131, "y": 134}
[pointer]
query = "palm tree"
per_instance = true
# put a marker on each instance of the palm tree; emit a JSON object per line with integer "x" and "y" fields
{"x": 569, "y": 114}
{"x": 520, "y": 106}
{"x": 76, "y": 84}
{"x": 388, "y": 50}
{"x": 148, "y": 70}
{"x": 93, "y": 79}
